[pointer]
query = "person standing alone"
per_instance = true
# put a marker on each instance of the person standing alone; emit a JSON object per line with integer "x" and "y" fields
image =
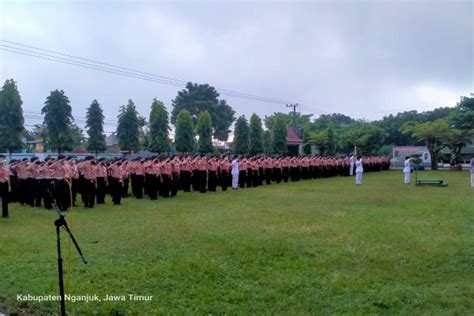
{"x": 359, "y": 170}
{"x": 235, "y": 173}
{"x": 407, "y": 170}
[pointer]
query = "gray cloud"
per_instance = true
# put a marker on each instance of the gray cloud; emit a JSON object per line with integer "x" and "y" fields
{"x": 357, "y": 58}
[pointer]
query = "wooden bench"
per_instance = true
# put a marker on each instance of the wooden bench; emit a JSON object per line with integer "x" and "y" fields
{"x": 436, "y": 182}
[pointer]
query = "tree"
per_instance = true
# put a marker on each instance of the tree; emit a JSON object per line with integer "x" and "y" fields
{"x": 319, "y": 140}
{"x": 58, "y": 120}
{"x": 463, "y": 117}
{"x": 368, "y": 137}
{"x": 95, "y": 128}
{"x": 184, "y": 134}
{"x": 222, "y": 116}
{"x": 158, "y": 136}
{"x": 280, "y": 136}
{"x": 267, "y": 142}
{"x": 455, "y": 140}
{"x": 331, "y": 139}
{"x": 307, "y": 133}
{"x": 128, "y": 129}
{"x": 255, "y": 135}
{"x": 204, "y": 131}
{"x": 77, "y": 138}
{"x": 11, "y": 117}
{"x": 288, "y": 118}
{"x": 240, "y": 145}
{"x": 196, "y": 98}
{"x": 432, "y": 133}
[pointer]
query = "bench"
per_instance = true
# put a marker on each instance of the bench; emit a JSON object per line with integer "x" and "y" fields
{"x": 436, "y": 182}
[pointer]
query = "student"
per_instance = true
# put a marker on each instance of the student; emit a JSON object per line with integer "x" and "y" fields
{"x": 407, "y": 170}
{"x": 235, "y": 173}
{"x": 472, "y": 172}
{"x": 359, "y": 170}
{"x": 4, "y": 185}
{"x": 351, "y": 165}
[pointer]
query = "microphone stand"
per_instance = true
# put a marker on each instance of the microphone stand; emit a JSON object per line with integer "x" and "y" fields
{"x": 61, "y": 222}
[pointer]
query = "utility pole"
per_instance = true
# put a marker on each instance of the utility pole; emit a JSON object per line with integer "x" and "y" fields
{"x": 294, "y": 112}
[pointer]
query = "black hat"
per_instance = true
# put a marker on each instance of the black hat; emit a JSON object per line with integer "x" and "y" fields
{"x": 2, "y": 156}
{"x": 61, "y": 157}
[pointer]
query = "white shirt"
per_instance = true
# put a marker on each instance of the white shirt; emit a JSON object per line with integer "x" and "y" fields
{"x": 407, "y": 167}
{"x": 359, "y": 166}
{"x": 235, "y": 167}
{"x": 351, "y": 160}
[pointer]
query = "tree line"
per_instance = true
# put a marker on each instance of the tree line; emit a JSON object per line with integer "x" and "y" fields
{"x": 199, "y": 116}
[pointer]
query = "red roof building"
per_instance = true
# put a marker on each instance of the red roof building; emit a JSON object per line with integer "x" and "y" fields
{"x": 293, "y": 138}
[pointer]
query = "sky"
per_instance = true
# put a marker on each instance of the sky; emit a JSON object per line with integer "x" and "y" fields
{"x": 365, "y": 59}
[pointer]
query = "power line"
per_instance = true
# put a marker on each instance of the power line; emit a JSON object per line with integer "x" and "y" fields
{"x": 126, "y": 72}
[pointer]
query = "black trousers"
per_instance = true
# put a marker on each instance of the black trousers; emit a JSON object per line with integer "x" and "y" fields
{"x": 185, "y": 180}
{"x": 75, "y": 189}
{"x": 31, "y": 191}
{"x": 125, "y": 188}
{"x": 165, "y": 186}
{"x": 89, "y": 193}
{"x": 286, "y": 174}
{"x": 268, "y": 175}
{"x": 152, "y": 182}
{"x": 139, "y": 182}
{"x": 101, "y": 190}
{"x": 174, "y": 184}
{"x": 277, "y": 174}
{"x": 195, "y": 180}
{"x": 202, "y": 181}
{"x": 37, "y": 192}
{"x": 62, "y": 194}
{"x": 224, "y": 176}
{"x": 242, "y": 178}
{"x": 4, "y": 196}
{"x": 249, "y": 178}
{"x": 116, "y": 190}
{"x": 212, "y": 185}
{"x": 46, "y": 189}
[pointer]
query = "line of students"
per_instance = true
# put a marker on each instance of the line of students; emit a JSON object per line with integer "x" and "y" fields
{"x": 30, "y": 182}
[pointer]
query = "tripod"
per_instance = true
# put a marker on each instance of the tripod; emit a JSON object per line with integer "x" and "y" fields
{"x": 61, "y": 222}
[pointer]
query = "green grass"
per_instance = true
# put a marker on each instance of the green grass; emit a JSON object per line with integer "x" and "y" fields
{"x": 313, "y": 247}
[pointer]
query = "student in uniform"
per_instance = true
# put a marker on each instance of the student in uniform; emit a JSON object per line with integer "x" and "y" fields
{"x": 359, "y": 170}
{"x": 4, "y": 185}
{"x": 235, "y": 172}
{"x": 407, "y": 170}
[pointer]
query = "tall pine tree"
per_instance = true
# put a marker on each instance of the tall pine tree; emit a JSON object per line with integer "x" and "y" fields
{"x": 204, "y": 131}
{"x": 95, "y": 128}
{"x": 280, "y": 136}
{"x": 11, "y": 117}
{"x": 128, "y": 129}
{"x": 240, "y": 145}
{"x": 58, "y": 121}
{"x": 184, "y": 134}
{"x": 159, "y": 130}
{"x": 255, "y": 135}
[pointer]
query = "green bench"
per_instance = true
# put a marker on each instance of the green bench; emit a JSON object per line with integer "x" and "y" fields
{"x": 437, "y": 182}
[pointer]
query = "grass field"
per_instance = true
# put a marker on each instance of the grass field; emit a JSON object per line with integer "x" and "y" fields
{"x": 312, "y": 247}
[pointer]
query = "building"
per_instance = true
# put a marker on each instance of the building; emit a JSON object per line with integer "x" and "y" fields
{"x": 400, "y": 152}
{"x": 294, "y": 142}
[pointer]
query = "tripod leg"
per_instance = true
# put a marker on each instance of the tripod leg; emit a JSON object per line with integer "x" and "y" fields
{"x": 60, "y": 271}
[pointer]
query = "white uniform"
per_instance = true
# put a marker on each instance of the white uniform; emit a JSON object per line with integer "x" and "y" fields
{"x": 351, "y": 165}
{"x": 359, "y": 171}
{"x": 472, "y": 173}
{"x": 407, "y": 171}
{"x": 235, "y": 174}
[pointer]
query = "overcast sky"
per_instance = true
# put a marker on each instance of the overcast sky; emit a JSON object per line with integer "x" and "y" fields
{"x": 360, "y": 58}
